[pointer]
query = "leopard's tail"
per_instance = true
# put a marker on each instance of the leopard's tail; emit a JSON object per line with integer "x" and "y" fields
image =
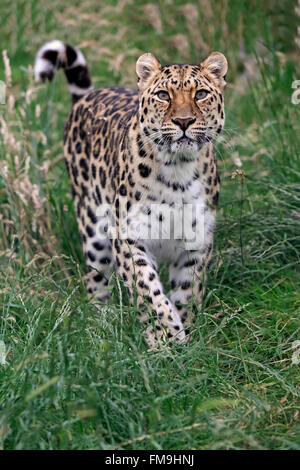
{"x": 57, "y": 54}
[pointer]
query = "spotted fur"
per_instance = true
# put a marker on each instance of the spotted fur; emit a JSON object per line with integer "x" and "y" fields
{"x": 135, "y": 150}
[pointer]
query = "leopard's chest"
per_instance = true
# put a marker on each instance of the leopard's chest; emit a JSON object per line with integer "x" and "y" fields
{"x": 172, "y": 221}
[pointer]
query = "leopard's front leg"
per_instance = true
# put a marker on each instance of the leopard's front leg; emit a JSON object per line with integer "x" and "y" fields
{"x": 188, "y": 278}
{"x": 138, "y": 270}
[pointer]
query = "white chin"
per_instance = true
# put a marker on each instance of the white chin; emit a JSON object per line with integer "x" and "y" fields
{"x": 184, "y": 146}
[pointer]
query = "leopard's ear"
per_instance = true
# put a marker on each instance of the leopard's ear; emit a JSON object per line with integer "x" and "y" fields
{"x": 146, "y": 67}
{"x": 216, "y": 65}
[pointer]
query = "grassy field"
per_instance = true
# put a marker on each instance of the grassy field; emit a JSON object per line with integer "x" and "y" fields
{"x": 71, "y": 378}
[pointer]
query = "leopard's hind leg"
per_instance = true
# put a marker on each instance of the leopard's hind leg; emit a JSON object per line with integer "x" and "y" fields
{"x": 97, "y": 250}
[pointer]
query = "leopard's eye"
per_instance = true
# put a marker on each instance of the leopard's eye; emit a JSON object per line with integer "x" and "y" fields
{"x": 163, "y": 95}
{"x": 201, "y": 94}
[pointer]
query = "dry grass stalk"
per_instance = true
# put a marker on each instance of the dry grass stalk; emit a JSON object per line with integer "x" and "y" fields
{"x": 116, "y": 63}
{"x": 8, "y": 137}
{"x": 7, "y": 69}
{"x": 153, "y": 17}
{"x": 181, "y": 43}
{"x": 191, "y": 14}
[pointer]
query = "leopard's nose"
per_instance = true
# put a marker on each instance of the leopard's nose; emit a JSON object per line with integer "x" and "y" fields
{"x": 184, "y": 123}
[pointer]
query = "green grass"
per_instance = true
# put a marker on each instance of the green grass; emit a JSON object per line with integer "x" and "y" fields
{"x": 77, "y": 379}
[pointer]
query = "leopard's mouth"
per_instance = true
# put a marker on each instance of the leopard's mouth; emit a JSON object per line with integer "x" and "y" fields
{"x": 187, "y": 140}
{"x": 184, "y": 144}
{"x": 184, "y": 140}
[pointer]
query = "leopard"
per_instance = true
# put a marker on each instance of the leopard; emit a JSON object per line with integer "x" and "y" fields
{"x": 136, "y": 159}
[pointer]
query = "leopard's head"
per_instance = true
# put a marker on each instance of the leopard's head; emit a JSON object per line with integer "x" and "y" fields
{"x": 181, "y": 106}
